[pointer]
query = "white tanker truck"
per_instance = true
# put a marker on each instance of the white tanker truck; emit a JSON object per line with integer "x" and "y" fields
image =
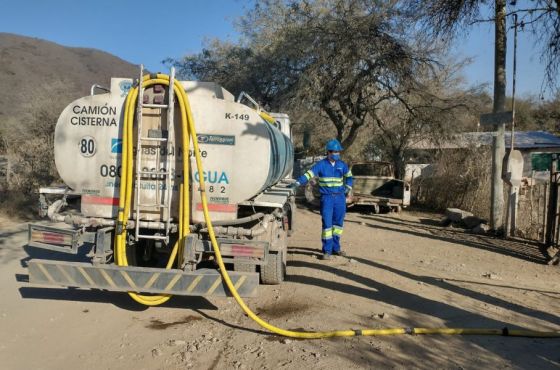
{"x": 247, "y": 156}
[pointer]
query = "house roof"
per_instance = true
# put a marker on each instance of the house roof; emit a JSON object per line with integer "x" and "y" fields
{"x": 522, "y": 140}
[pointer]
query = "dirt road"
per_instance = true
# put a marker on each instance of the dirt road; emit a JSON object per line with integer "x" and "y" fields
{"x": 402, "y": 271}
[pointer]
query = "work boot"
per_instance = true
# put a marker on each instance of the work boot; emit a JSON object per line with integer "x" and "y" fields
{"x": 340, "y": 253}
{"x": 326, "y": 257}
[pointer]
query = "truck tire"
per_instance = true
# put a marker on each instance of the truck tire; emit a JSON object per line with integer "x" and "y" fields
{"x": 243, "y": 267}
{"x": 274, "y": 271}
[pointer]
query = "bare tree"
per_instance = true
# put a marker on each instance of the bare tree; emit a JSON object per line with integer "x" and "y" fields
{"x": 337, "y": 58}
{"x": 429, "y": 114}
{"x": 444, "y": 19}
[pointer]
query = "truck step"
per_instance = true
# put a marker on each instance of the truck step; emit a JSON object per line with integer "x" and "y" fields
{"x": 140, "y": 279}
{"x": 161, "y": 139}
{"x": 162, "y": 106}
{"x": 153, "y": 237}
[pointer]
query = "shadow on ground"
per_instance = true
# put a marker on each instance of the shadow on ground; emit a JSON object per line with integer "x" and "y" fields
{"x": 525, "y": 250}
{"x": 375, "y": 290}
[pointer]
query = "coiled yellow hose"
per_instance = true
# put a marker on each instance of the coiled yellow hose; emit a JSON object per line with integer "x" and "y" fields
{"x": 186, "y": 115}
{"x": 127, "y": 182}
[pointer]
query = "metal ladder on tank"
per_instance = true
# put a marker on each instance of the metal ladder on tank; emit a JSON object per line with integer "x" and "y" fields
{"x": 140, "y": 140}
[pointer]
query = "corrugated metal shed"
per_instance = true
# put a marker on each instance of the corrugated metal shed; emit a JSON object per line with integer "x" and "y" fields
{"x": 522, "y": 140}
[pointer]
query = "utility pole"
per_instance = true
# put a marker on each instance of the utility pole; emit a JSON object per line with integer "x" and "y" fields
{"x": 498, "y": 141}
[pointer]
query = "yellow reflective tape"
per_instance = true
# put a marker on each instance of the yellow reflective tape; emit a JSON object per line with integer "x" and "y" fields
{"x": 107, "y": 278}
{"x": 330, "y": 179}
{"x": 194, "y": 283}
{"x": 348, "y": 174}
{"x": 46, "y": 273}
{"x": 66, "y": 275}
{"x": 173, "y": 282}
{"x": 240, "y": 281}
{"x": 214, "y": 286}
{"x": 337, "y": 231}
{"x": 151, "y": 281}
{"x": 128, "y": 280}
{"x": 330, "y": 185}
{"x": 86, "y": 276}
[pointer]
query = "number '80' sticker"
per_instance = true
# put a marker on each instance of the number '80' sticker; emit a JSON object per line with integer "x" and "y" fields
{"x": 87, "y": 146}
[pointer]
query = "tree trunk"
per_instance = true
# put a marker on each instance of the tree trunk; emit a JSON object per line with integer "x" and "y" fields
{"x": 398, "y": 165}
{"x": 498, "y": 145}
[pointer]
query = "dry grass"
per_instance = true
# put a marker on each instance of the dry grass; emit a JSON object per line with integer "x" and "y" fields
{"x": 461, "y": 179}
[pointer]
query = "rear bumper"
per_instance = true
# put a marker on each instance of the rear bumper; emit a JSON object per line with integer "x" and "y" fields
{"x": 141, "y": 280}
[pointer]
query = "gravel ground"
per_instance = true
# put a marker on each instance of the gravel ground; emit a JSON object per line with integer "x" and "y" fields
{"x": 401, "y": 271}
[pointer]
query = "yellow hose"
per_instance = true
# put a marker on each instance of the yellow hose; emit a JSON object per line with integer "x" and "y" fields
{"x": 127, "y": 182}
{"x": 185, "y": 107}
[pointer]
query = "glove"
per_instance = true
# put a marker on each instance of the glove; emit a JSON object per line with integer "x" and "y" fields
{"x": 347, "y": 189}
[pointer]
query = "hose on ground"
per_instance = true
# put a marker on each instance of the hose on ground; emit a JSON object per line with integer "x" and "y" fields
{"x": 184, "y": 227}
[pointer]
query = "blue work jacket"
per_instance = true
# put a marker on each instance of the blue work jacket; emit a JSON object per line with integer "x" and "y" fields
{"x": 333, "y": 178}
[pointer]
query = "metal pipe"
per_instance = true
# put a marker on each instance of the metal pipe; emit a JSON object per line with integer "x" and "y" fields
{"x": 76, "y": 220}
{"x": 240, "y": 231}
{"x": 96, "y": 86}
{"x": 237, "y": 221}
{"x": 236, "y": 231}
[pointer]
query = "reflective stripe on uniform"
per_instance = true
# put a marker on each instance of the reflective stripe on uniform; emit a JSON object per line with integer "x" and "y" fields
{"x": 330, "y": 181}
{"x": 337, "y": 230}
{"x": 330, "y": 185}
{"x": 348, "y": 174}
{"x": 327, "y": 234}
{"x": 309, "y": 175}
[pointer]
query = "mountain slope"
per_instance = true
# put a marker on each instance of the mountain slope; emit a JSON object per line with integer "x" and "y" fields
{"x": 35, "y": 72}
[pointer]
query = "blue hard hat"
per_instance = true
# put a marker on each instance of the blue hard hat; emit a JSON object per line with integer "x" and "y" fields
{"x": 334, "y": 145}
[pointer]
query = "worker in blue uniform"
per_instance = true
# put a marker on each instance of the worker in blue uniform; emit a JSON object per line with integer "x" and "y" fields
{"x": 335, "y": 182}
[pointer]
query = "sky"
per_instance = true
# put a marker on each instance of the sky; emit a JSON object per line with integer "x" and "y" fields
{"x": 147, "y": 32}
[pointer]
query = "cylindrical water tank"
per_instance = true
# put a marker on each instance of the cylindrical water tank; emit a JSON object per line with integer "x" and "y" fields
{"x": 241, "y": 153}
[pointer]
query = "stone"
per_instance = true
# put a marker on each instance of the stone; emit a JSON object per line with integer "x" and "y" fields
{"x": 456, "y": 214}
{"x": 471, "y": 222}
{"x": 490, "y": 275}
{"x": 286, "y": 341}
{"x": 445, "y": 222}
{"x": 481, "y": 229}
{"x": 383, "y": 315}
{"x": 156, "y": 352}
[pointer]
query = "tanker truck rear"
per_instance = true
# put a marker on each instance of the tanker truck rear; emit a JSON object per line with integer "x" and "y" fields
{"x": 247, "y": 158}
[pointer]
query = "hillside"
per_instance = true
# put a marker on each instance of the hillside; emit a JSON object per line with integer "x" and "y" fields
{"x": 34, "y": 70}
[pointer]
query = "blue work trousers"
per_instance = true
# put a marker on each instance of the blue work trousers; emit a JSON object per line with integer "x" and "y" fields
{"x": 333, "y": 209}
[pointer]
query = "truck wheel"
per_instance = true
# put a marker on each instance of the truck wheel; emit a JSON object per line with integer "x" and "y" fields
{"x": 243, "y": 267}
{"x": 274, "y": 271}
